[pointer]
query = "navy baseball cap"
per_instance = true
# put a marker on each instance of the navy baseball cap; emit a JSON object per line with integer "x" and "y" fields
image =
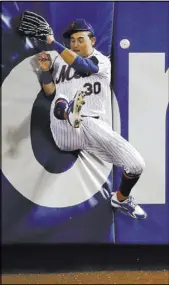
{"x": 78, "y": 25}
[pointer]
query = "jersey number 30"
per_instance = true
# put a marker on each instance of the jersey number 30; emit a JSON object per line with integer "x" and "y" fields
{"x": 92, "y": 88}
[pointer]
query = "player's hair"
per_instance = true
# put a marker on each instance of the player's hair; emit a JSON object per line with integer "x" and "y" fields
{"x": 90, "y": 35}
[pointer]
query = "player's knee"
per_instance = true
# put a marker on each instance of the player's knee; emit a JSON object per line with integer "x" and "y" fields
{"x": 140, "y": 165}
{"x": 60, "y": 108}
{"x": 137, "y": 167}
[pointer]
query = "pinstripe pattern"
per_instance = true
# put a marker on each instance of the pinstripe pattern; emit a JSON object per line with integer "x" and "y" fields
{"x": 95, "y": 135}
{"x": 66, "y": 137}
{"x": 108, "y": 145}
{"x": 95, "y": 102}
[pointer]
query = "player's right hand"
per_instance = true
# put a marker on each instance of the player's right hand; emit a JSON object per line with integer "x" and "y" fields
{"x": 44, "y": 61}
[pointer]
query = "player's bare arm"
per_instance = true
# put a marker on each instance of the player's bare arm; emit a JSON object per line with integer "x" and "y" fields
{"x": 44, "y": 61}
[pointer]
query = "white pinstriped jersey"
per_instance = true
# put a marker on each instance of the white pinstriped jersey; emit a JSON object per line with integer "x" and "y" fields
{"x": 97, "y": 86}
{"x": 94, "y": 135}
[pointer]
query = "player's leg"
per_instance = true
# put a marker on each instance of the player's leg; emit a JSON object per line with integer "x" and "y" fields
{"x": 63, "y": 116}
{"x": 111, "y": 147}
{"x": 73, "y": 113}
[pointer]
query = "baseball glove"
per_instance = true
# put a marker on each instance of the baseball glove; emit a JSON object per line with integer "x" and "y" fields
{"x": 34, "y": 26}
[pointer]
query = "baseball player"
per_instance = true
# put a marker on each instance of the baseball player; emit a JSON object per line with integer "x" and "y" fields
{"x": 81, "y": 75}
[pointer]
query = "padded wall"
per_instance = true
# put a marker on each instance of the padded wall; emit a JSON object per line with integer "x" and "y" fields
{"x": 141, "y": 86}
{"x": 140, "y": 114}
{"x": 48, "y": 196}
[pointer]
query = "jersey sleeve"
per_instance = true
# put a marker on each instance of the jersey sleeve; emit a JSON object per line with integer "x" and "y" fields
{"x": 104, "y": 65}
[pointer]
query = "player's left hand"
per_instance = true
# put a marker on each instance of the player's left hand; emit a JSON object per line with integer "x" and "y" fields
{"x": 44, "y": 60}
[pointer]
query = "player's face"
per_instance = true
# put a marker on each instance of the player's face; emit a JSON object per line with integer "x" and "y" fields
{"x": 81, "y": 43}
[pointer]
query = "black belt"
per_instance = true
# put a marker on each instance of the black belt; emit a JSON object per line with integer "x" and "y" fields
{"x": 95, "y": 117}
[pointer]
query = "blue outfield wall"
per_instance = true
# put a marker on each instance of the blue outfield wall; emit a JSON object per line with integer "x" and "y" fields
{"x": 145, "y": 25}
{"x": 91, "y": 220}
{"x": 23, "y": 220}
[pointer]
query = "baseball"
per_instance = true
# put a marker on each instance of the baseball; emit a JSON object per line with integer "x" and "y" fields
{"x": 124, "y": 43}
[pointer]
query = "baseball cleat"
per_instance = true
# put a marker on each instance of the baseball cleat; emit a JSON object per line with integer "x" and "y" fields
{"x": 74, "y": 108}
{"x": 128, "y": 206}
